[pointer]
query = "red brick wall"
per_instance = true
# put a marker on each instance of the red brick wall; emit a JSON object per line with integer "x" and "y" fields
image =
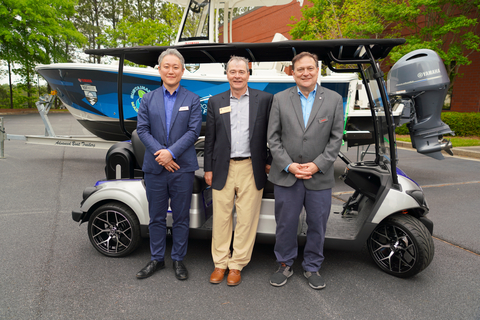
{"x": 466, "y": 89}
{"x": 260, "y": 25}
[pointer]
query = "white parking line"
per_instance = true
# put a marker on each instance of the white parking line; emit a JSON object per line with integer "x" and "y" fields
{"x": 21, "y": 213}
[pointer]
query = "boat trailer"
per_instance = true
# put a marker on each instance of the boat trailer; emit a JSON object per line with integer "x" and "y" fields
{"x": 43, "y": 105}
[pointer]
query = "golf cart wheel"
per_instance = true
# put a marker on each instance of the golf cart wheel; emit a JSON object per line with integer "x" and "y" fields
{"x": 401, "y": 246}
{"x": 114, "y": 230}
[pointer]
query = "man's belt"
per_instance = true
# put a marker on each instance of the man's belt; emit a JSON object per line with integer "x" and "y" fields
{"x": 239, "y": 158}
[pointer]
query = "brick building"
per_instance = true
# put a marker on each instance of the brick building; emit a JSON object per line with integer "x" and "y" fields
{"x": 261, "y": 24}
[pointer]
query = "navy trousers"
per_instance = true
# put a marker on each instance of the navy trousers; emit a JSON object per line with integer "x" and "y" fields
{"x": 160, "y": 188}
{"x": 289, "y": 202}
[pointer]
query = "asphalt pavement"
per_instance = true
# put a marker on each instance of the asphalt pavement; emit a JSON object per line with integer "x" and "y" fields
{"x": 49, "y": 269}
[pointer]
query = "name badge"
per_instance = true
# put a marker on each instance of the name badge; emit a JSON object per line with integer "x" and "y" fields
{"x": 185, "y": 108}
{"x": 225, "y": 110}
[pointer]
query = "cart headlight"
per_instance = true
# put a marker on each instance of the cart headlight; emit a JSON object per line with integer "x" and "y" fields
{"x": 88, "y": 192}
{"x": 418, "y": 196}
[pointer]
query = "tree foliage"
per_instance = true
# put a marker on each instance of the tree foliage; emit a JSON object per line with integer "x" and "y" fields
{"x": 450, "y": 27}
{"x": 32, "y": 32}
{"x": 155, "y": 26}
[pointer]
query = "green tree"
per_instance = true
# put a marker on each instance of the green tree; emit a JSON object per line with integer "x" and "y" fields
{"x": 140, "y": 23}
{"x": 449, "y": 27}
{"x": 145, "y": 32}
{"x": 334, "y": 19}
{"x": 89, "y": 21}
{"x": 32, "y": 32}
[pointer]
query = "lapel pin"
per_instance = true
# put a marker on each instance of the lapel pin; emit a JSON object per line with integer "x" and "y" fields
{"x": 319, "y": 98}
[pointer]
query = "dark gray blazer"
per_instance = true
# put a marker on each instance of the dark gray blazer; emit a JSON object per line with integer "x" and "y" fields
{"x": 319, "y": 142}
{"x": 218, "y": 136}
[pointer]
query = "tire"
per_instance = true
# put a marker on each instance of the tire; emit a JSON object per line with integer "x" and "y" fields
{"x": 114, "y": 230}
{"x": 401, "y": 246}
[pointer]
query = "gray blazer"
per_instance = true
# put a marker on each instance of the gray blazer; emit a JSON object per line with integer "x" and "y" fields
{"x": 319, "y": 142}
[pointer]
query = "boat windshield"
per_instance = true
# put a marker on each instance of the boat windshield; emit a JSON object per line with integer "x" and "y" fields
{"x": 381, "y": 117}
{"x": 195, "y": 26}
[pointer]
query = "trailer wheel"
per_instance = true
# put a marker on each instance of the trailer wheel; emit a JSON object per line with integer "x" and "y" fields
{"x": 401, "y": 246}
{"x": 114, "y": 230}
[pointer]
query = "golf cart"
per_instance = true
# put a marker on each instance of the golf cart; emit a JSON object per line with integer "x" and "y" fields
{"x": 387, "y": 210}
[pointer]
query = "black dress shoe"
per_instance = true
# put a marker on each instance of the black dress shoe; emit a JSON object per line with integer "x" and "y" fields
{"x": 180, "y": 271}
{"x": 150, "y": 269}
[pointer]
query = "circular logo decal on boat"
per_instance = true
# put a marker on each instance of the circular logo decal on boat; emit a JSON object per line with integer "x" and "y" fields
{"x": 136, "y": 95}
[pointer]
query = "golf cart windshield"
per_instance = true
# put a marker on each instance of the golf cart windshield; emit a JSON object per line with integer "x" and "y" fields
{"x": 196, "y": 22}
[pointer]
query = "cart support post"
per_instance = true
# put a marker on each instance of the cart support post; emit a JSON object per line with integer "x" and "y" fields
{"x": 2, "y": 139}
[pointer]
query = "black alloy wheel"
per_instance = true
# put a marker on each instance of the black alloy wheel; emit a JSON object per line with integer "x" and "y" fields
{"x": 114, "y": 230}
{"x": 401, "y": 246}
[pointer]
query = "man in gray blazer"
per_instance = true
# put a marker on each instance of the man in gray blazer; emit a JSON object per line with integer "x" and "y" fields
{"x": 304, "y": 134}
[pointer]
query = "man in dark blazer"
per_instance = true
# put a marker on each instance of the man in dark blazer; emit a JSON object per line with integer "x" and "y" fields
{"x": 235, "y": 166}
{"x": 305, "y": 135}
{"x": 169, "y": 121}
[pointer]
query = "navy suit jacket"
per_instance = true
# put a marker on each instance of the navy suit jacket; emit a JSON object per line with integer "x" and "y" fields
{"x": 218, "y": 136}
{"x": 185, "y": 127}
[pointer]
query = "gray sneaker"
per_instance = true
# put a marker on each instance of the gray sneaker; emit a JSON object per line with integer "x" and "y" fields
{"x": 280, "y": 277}
{"x": 314, "y": 280}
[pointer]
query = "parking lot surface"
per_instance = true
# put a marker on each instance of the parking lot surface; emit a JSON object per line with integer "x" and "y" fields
{"x": 49, "y": 270}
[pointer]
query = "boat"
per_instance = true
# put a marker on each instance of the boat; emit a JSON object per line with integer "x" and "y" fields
{"x": 90, "y": 91}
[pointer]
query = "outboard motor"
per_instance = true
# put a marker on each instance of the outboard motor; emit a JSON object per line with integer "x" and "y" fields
{"x": 420, "y": 82}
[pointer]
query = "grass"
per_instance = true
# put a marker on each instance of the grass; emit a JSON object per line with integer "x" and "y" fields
{"x": 456, "y": 141}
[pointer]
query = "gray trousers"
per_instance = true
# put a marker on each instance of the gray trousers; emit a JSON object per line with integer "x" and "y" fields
{"x": 289, "y": 202}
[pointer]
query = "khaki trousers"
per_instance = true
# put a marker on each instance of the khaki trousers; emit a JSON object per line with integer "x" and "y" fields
{"x": 240, "y": 183}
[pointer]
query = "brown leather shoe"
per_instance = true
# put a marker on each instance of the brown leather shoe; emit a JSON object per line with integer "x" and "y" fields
{"x": 217, "y": 275}
{"x": 234, "y": 278}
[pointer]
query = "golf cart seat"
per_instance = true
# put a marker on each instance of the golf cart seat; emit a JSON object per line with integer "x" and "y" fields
{"x": 268, "y": 191}
{"x": 138, "y": 148}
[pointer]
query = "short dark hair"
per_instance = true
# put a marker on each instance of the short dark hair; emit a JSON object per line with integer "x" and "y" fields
{"x": 302, "y": 55}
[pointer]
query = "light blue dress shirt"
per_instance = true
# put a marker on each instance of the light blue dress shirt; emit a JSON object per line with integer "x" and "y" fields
{"x": 169, "y": 102}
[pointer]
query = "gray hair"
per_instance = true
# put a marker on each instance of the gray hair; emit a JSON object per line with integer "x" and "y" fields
{"x": 237, "y": 58}
{"x": 173, "y": 52}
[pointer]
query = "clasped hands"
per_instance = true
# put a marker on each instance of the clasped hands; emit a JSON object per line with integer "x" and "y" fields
{"x": 303, "y": 171}
{"x": 165, "y": 159}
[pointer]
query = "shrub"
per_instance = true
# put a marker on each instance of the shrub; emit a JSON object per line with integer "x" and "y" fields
{"x": 464, "y": 124}
{"x": 20, "y": 99}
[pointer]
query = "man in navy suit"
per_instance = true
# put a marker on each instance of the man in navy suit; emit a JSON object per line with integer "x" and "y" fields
{"x": 235, "y": 167}
{"x": 169, "y": 121}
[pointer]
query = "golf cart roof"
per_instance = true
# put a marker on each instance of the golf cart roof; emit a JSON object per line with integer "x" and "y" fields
{"x": 343, "y": 50}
